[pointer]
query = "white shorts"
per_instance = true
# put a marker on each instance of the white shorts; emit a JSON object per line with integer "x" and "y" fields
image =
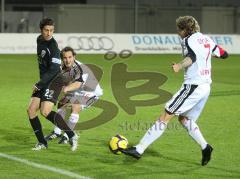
{"x": 189, "y": 101}
{"x": 84, "y": 98}
{"x": 87, "y": 98}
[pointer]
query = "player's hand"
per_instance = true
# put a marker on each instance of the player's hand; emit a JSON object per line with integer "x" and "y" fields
{"x": 176, "y": 67}
{"x": 65, "y": 90}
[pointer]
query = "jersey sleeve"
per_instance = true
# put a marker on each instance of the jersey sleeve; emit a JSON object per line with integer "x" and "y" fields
{"x": 54, "y": 66}
{"x": 80, "y": 79}
{"x": 219, "y": 52}
{"x": 190, "y": 49}
{"x": 54, "y": 53}
{"x": 79, "y": 74}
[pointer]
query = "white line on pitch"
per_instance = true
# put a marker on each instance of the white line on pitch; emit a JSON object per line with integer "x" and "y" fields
{"x": 45, "y": 167}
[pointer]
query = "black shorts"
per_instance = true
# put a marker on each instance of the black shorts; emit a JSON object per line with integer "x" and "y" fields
{"x": 46, "y": 95}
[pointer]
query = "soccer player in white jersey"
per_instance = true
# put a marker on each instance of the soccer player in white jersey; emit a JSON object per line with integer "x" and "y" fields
{"x": 189, "y": 101}
{"x": 78, "y": 100}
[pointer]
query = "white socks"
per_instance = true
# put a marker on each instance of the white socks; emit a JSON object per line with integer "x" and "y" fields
{"x": 73, "y": 119}
{"x": 195, "y": 133}
{"x": 151, "y": 135}
{"x": 57, "y": 130}
{"x": 159, "y": 127}
{"x": 62, "y": 112}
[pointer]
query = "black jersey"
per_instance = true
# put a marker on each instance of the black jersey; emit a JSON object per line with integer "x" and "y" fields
{"x": 49, "y": 61}
{"x": 66, "y": 77}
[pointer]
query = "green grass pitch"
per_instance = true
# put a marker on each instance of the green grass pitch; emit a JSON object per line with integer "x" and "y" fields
{"x": 174, "y": 155}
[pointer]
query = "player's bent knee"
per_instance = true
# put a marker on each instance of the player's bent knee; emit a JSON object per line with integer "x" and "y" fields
{"x": 182, "y": 119}
{"x": 46, "y": 108}
{"x": 32, "y": 112}
{"x": 76, "y": 108}
{"x": 45, "y": 112}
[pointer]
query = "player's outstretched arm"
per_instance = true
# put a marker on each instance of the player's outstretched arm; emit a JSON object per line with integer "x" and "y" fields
{"x": 71, "y": 87}
{"x": 186, "y": 62}
{"x": 219, "y": 52}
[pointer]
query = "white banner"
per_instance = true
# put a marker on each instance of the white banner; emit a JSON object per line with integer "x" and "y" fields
{"x": 102, "y": 43}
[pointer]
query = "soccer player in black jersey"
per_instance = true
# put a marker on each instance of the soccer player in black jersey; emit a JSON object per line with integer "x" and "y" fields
{"x": 42, "y": 97}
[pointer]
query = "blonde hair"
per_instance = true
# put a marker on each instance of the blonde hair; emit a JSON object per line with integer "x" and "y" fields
{"x": 187, "y": 23}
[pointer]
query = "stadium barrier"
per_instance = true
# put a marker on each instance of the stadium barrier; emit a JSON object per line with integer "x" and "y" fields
{"x": 13, "y": 43}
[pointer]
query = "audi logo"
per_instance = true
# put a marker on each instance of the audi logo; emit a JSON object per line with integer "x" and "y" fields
{"x": 91, "y": 43}
{"x": 110, "y": 55}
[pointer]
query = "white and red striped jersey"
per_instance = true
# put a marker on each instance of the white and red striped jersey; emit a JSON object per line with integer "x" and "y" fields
{"x": 200, "y": 49}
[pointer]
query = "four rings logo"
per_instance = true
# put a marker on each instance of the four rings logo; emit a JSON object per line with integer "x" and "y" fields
{"x": 91, "y": 43}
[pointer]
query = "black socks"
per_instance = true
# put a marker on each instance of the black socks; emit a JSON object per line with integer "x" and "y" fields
{"x": 57, "y": 120}
{"x": 37, "y": 128}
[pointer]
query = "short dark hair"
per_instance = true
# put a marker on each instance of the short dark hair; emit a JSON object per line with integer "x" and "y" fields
{"x": 67, "y": 49}
{"x": 46, "y": 21}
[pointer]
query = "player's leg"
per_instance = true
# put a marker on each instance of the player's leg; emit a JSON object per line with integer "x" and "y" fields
{"x": 188, "y": 120}
{"x": 193, "y": 107}
{"x": 56, "y": 133}
{"x": 63, "y": 106}
{"x": 62, "y": 110}
{"x": 46, "y": 108}
{"x": 35, "y": 122}
{"x": 150, "y": 136}
{"x": 56, "y": 119}
{"x": 72, "y": 121}
{"x": 74, "y": 117}
{"x": 172, "y": 107}
{"x": 195, "y": 133}
{"x": 33, "y": 107}
{"x": 80, "y": 101}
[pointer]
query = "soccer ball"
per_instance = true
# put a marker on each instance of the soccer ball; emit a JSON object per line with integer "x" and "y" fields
{"x": 117, "y": 143}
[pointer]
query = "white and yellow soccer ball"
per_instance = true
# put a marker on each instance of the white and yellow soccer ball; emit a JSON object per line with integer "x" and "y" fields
{"x": 117, "y": 143}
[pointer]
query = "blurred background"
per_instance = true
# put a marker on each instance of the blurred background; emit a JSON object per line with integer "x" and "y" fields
{"x": 119, "y": 16}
